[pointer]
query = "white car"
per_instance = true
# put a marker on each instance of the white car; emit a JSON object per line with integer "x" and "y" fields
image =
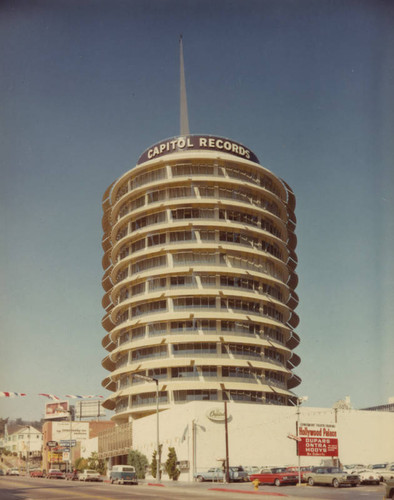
{"x": 89, "y": 475}
{"x": 13, "y": 472}
{"x": 384, "y": 470}
{"x": 367, "y": 476}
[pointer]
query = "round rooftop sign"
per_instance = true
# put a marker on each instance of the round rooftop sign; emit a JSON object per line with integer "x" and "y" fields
{"x": 197, "y": 143}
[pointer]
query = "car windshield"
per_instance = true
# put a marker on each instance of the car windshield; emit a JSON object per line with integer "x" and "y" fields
{"x": 128, "y": 469}
{"x": 278, "y": 469}
{"x": 90, "y": 471}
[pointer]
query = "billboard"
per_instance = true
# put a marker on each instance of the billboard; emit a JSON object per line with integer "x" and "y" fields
{"x": 70, "y": 431}
{"x": 58, "y": 409}
{"x": 317, "y": 440}
{"x": 91, "y": 408}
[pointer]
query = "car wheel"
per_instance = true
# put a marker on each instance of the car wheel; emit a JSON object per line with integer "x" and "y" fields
{"x": 200, "y": 479}
{"x": 335, "y": 483}
{"x": 354, "y": 485}
{"x": 112, "y": 481}
{"x": 311, "y": 482}
{"x": 277, "y": 482}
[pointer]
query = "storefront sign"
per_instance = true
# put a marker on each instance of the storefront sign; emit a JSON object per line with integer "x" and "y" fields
{"x": 318, "y": 440}
{"x": 216, "y": 415}
{"x": 55, "y": 457}
{"x": 195, "y": 143}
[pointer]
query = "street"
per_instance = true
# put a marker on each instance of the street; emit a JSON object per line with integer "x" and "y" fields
{"x": 25, "y": 488}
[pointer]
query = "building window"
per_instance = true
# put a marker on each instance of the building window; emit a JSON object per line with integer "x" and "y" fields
{"x": 156, "y": 239}
{"x": 196, "y": 395}
{"x": 150, "y": 352}
{"x": 242, "y": 351}
{"x": 184, "y": 371}
{"x": 240, "y": 372}
{"x": 177, "y": 236}
{"x": 249, "y": 396}
{"x": 157, "y": 283}
{"x": 209, "y": 371}
{"x": 195, "y": 348}
{"x": 192, "y": 170}
{"x": 181, "y": 192}
{"x": 194, "y": 302}
{"x": 149, "y": 398}
{"x": 157, "y": 329}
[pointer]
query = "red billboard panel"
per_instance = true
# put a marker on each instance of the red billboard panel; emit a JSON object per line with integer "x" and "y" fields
{"x": 59, "y": 409}
{"x": 317, "y": 440}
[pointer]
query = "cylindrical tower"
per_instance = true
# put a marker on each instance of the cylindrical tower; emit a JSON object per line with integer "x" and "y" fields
{"x": 199, "y": 279}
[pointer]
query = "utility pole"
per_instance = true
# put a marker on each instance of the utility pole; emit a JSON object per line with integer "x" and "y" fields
{"x": 227, "y": 471}
{"x": 71, "y": 436}
{"x": 28, "y": 453}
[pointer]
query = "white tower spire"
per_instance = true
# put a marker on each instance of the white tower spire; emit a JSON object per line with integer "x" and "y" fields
{"x": 184, "y": 118}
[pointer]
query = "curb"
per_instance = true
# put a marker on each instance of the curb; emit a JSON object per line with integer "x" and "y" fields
{"x": 261, "y": 493}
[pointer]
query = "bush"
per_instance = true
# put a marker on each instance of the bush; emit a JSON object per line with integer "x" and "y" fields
{"x": 153, "y": 465}
{"x": 80, "y": 464}
{"x": 171, "y": 465}
{"x": 139, "y": 461}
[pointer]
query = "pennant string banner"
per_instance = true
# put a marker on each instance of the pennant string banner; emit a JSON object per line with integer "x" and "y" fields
{"x": 49, "y": 396}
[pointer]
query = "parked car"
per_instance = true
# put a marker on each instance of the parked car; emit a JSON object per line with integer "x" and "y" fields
{"x": 251, "y": 469}
{"x": 389, "y": 493}
{"x": 333, "y": 476}
{"x": 55, "y": 474}
{"x": 89, "y": 475}
{"x": 13, "y": 472}
{"x": 367, "y": 476}
{"x": 275, "y": 475}
{"x": 236, "y": 474}
{"x": 2, "y": 473}
{"x": 304, "y": 471}
{"x": 36, "y": 473}
{"x": 123, "y": 474}
{"x": 386, "y": 473}
{"x": 72, "y": 476}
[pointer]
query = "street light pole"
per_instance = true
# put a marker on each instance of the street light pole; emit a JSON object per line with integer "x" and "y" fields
{"x": 152, "y": 379}
{"x": 299, "y": 402}
{"x": 71, "y": 437}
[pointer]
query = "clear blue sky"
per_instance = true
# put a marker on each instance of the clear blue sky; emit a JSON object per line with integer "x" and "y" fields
{"x": 86, "y": 86}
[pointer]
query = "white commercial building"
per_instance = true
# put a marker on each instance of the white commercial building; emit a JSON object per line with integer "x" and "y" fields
{"x": 259, "y": 435}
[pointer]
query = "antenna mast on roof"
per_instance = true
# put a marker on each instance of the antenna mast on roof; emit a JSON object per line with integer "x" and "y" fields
{"x": 184, "y": 118}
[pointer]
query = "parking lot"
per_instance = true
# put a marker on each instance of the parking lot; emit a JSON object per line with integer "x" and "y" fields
{"x": 22, "y": 487}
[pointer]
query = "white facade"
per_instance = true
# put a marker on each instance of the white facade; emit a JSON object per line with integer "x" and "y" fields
{"x": 258, "y": 435}
{"x": 26, "y": 440}
{"x": 89, "y": 446}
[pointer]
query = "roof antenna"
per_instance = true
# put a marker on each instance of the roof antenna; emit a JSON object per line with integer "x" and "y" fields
{"x": 184, "y": 118}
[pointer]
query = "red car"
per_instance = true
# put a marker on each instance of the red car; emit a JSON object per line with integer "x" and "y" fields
{"x": 36, "y": 473}
{"x": 55, "y": 474}
{"x": 304, "y": 471}
{"x": 276, "y": 476}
